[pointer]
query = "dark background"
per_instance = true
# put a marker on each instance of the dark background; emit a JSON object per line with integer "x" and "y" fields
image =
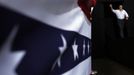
{"x": 106, "y": 42}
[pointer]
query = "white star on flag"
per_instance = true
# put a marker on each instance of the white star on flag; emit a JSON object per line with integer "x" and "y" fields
{"x": 88, "y": 47}
{"x": 84, "y": 46}
{"x": 62, "y": 49}
{"x": 75, "y": 48}
{"x": 9, "y": 60}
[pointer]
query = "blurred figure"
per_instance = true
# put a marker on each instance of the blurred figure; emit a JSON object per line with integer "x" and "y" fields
{"x": 122, "y": 16}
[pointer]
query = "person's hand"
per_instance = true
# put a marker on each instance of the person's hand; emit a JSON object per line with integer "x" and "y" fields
{"x": 91, "y": 18}
{"x": 110, "y": 5}
{"x": 126, "y": 18}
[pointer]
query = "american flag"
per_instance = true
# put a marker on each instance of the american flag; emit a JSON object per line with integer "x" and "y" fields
{"x": 44, "y": 37}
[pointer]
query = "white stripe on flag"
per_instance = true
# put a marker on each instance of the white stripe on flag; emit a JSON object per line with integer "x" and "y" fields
{"x": 84, "y": 68}
{"x": 66, "y": 15}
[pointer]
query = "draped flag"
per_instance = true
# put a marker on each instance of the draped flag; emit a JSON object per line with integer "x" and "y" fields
{"x": 44, "y": 37}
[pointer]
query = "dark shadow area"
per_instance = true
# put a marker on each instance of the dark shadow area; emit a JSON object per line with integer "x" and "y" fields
{"x": 106, "y": 42}
{"x": 122, "y": 50}
{"x": 110, "y": 67}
